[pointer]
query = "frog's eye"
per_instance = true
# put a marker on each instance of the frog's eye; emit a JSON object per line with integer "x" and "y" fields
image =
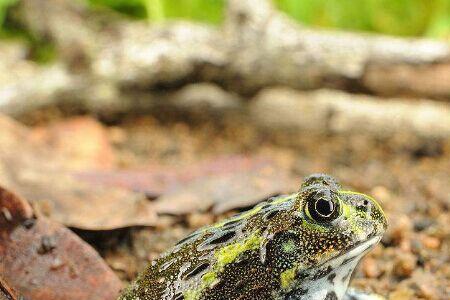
{"x": 322, "y": 206}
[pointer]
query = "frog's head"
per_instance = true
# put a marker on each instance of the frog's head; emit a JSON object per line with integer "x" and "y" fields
{"x": 336, "y": 225}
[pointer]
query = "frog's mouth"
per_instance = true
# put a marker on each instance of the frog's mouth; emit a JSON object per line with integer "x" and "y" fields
{"x": 346, "y": 260}
{"x": 351, "y": 254}
{"x": 355, "y": 252}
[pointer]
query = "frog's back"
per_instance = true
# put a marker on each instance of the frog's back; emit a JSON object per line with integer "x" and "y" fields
{"x": 214, "y": 262}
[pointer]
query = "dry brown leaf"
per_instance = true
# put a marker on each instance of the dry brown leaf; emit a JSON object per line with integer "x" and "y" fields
{"x": 42, "y": 260}
{"x": 228, "y": 191}
{"x": 44, "y": 177}
{"x": 224, "y": 183}
{"x": 83, "y": 139}
{"x": 155, "y": 179}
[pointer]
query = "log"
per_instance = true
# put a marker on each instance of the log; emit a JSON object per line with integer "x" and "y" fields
{"x": 127, "y": 66}
{"x": 271, "y": 49}
{"x": 331, "y": 111}
{"x": 24, "y": 85}
{"x": 256, "y": 47}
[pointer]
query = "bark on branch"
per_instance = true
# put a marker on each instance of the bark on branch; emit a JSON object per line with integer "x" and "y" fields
{"x": 330, "y": 111}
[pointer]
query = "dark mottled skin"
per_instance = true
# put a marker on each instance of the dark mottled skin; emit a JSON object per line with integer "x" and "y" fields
{"x": 270, "y": 252}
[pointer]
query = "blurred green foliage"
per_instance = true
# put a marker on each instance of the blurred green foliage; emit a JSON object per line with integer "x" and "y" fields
{"x": 40, "y": 50}
{"x": 396, "y": 17}
{"x": 209, "y": 11}
{"x": 4, "y": 5}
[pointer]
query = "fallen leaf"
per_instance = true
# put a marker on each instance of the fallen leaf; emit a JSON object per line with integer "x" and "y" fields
{"x": 224, "y": 192}
{"x": 44, "y": 177}
{"x": 155, "y": 179}
{"x": 224, "y": 183}
{"x": 42, "y": 260}
{"x": 83, "y": 139}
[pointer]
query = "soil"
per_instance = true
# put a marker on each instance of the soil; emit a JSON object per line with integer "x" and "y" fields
{"x": 408, "y": 176}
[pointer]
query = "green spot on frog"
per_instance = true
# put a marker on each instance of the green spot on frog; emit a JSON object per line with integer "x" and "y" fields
{"x": 287, "y": 277}
{"x": 229, "y": 253}
{"x": 289, "y": 246}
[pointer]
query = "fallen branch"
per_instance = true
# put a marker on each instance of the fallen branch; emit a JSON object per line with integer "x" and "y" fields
{"x": 272, "y": 49}
{"x": 256, "y": 47}
{"x": 327, "y": 111}
{"x": 117, "y": 68}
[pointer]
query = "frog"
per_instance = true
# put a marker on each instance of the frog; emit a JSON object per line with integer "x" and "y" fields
{"x": 305, "y": 245}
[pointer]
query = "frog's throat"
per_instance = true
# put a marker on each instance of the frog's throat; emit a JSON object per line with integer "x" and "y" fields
{"x": 321, "y": 284}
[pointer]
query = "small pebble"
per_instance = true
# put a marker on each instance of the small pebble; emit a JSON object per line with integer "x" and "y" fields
{"x": 422, "y": 224}
{"x": 431, "y": 242}
{"x": 401, "y": 293}
{"x": 400, "y": 229}
{"x": 428, "y": 291}
{"x": 405, "y": 264}
{"x": 371, "y": 268}
{"x": 381, "y": 193}
{"x": 117, "y": 135}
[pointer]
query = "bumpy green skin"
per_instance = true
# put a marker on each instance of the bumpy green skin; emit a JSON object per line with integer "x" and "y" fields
{"x": 268, "y": 252}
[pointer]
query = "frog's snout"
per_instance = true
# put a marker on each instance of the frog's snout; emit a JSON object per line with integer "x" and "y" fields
{"x": 365, "y": 209}
{"x": 378, "y": 216}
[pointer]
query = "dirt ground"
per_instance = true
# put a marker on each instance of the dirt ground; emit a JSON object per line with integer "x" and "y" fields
{"x": 408, "y": 176}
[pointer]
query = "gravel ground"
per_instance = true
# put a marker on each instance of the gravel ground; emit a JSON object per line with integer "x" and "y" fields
{"x": 408, "y": 176}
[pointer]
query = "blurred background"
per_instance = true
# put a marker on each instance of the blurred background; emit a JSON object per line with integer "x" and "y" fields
{"x": 403, "y": 18}
{"x": 417, "y": 18}
{"x": 134, "y": 122}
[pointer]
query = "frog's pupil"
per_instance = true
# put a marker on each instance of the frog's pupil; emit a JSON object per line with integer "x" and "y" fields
{"x": 324, "y": 207}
